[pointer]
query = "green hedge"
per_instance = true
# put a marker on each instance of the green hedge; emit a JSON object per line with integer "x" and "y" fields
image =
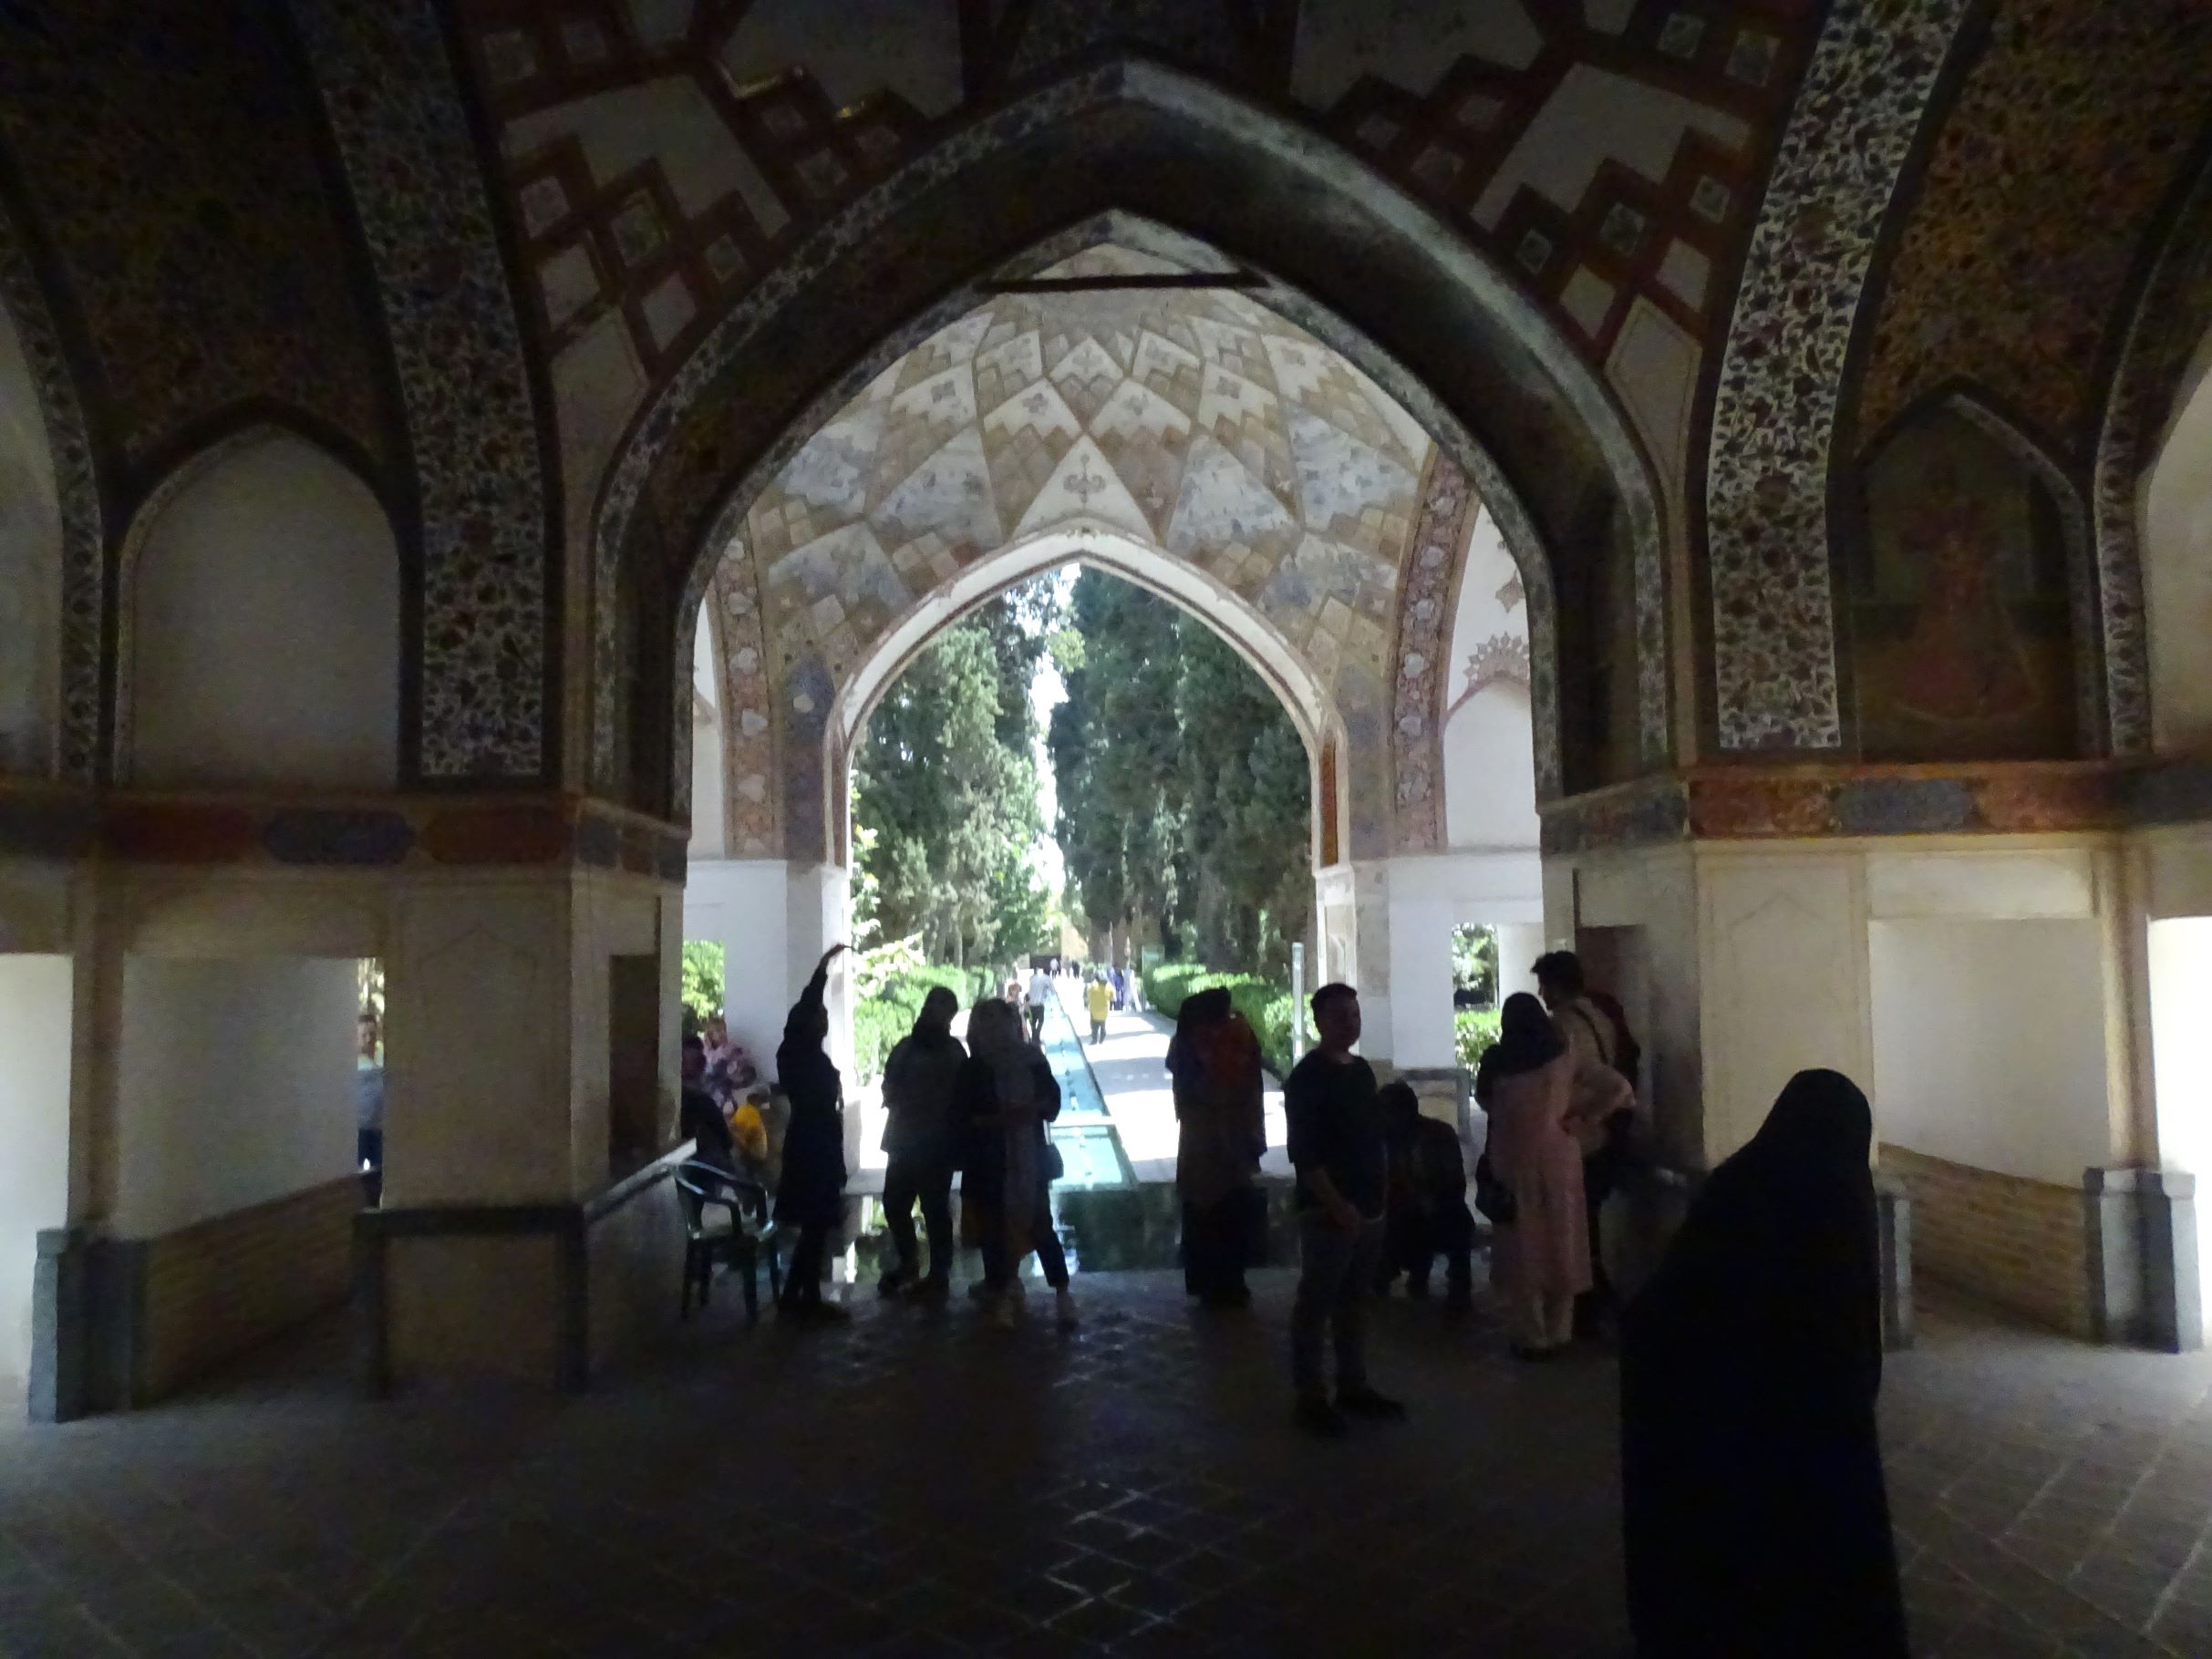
{"x": 1475, "y": 1029}
{"x": 1265, "y": 1003}
{"x": 880, "y": 1021}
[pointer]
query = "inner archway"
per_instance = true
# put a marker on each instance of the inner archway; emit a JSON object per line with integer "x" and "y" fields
{"x": 1147, "y": 417}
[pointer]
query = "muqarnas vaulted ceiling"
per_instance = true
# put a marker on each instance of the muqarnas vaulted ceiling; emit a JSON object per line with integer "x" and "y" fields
{"x": 1194, "y": 421}
{"x": 1189, "y": 421}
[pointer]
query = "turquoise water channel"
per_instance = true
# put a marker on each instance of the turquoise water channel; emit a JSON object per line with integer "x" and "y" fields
{"x": 1090, "y": 1145}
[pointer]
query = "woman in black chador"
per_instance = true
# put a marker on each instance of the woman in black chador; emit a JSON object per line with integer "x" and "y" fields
{"x": 810, "y": 1198}
{"x": 1756, "y": 1521}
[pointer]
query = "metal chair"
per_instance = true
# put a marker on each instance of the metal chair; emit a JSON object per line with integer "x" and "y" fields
{"x": 740, "y": 1238}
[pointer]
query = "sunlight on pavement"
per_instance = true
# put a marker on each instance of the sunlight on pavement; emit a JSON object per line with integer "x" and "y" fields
{"x": 1130, "y": 1066}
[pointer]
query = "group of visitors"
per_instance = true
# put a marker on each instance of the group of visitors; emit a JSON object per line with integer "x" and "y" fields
{"x": 1554, "y": 1106}
{"x": 979, "y": 1109}
{"x": 1755, "y": 1514}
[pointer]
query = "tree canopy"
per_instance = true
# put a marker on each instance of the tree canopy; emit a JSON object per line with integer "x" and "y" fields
{"x": 1182, "y": 785}
{"x": 1183, "y": 790}
{"x": 944, "y": 787}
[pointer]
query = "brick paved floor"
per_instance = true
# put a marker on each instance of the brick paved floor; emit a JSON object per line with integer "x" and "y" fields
{"x": 917, "y": 1485}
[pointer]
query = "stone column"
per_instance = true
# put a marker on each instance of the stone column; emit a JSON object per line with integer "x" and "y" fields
{"x": 1352, "y": 912}
{"x": 2143, "y": 1262}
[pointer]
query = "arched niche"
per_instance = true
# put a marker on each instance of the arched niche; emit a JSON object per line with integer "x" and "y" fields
{"x": 30, "y": 569}
{"x": 1966, "y": 584}
{"x": 2175, "y": 510}
{"x": 1324, "y": 242}
{"x": 1488, "y": 741}
{"x": 260, "y": 642}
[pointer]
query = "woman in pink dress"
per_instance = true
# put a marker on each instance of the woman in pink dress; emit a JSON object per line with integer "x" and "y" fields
{"x": 1535, "y": 1091}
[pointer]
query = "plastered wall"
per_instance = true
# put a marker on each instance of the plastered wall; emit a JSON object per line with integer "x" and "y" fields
{"x": 264, "y": 627}
{"x": 235, "y": 1084}
{"x": 35, "y": 1033}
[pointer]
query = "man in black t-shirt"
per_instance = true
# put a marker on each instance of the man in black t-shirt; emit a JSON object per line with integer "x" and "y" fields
{"x": 699, "y": 1118}
{"x": 1337, "y": 1146}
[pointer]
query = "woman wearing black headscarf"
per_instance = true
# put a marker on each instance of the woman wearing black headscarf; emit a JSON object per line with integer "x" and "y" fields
{"x": 812, "y": 1195}
{"x": 1756, "y": 1518}
{"x": 1534, "y": 1086}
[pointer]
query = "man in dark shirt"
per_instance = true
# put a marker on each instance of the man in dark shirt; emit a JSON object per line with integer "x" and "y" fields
{"x": 699, "y": 1118}
{"x": 1337, "y": 1146}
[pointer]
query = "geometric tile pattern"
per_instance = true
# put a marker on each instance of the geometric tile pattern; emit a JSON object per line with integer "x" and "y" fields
{"x": 1782, "y": 377}
{"x": 802, "y": 131}
{"x": 397, "y": 117}
{"x": 77, "y": 489}
{"x": 1133, "y": 1488}
{"x": 1654, "y": 223}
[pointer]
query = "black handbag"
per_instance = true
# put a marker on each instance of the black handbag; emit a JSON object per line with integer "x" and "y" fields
{"x": 1493, "y": 1197}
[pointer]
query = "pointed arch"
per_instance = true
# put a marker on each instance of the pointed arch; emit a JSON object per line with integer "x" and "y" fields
{"x": 2037, "y": 455}
{"x": 59, "y": 415}
{"x": 273, "y": 570}
{"x": 2171, "y": 318}
{"x": 1361, "y": 267}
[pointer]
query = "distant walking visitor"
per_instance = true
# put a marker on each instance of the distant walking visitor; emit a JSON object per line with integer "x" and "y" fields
{"x": 1098, "y": 1001}
{"x": 1040, "y": 992}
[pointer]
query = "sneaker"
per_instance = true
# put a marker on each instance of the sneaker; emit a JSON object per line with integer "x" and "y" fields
{"x": 1064, "y": 1309}
{"x": 893, "y": 1283}
{"x": 1364, "y": 1402}
{"x": 934, "y": 1290}
{"x": 832, "y": 1313}
{"x": 1005, "y": 1312}
{"x": 1320, "y": 1419}
{"x": 980, "y": 1290}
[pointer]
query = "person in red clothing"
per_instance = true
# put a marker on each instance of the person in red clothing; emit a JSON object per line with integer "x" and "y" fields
{"x": 1220, "y": 1132}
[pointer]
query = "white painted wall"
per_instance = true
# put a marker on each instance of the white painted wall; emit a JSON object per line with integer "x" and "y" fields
{"x": 35, "y": 1026}
{"x": 2175, "y": 515}
{"x": 264, "y": 627}
{"x": 1489, "y": 741}
{"x": 2181, "y": 1060}
{"x": 1782, "y": 979}
{"x": 1490, "y": 772}
{"x": 1988, "y": 1044}
{"x": 708, "y": 819}
{"x": 744, "y": 905}
{"x": 235, "y": 1084}
{"x": 30, "y": 567}
{"x": 1428, "y": 899}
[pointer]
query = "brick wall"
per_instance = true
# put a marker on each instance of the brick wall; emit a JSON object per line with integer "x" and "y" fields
{"x": 215, "y": 1289}
{"x": 2020, "y": 1244}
